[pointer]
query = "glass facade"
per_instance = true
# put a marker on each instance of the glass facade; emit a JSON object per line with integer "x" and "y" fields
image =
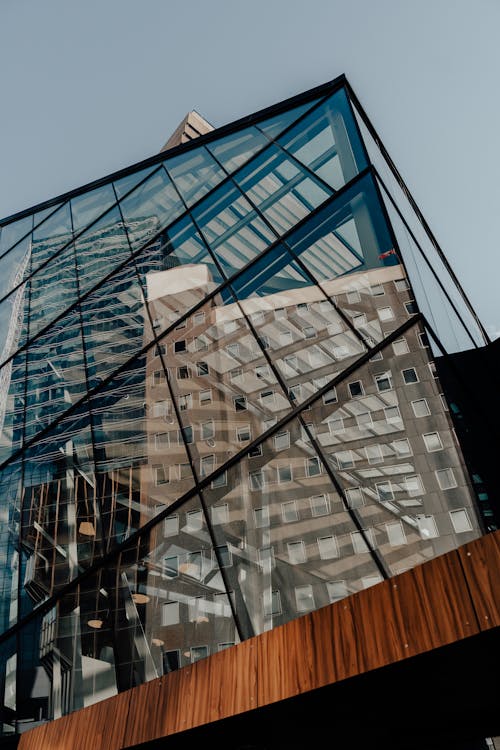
{"x": 218, "y": 408}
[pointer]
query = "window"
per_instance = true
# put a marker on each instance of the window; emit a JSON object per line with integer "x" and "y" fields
{"x": 343, "y": 459}
{"x": 354, "y": 497}
{"x": 289, "y": 511}
{"x": 424, "y": 340}
{"x": 295, "y": 392}
{"x": 302, "y": 306}
{"x": 240, "y": 403}
{"x": 223, "y": 556}
{"x": 411, "y": 307}
{"x": 413, "y": 485}
{"x": 160, "y": 474}
{"x": 432, "y": 442}
{"x": 420, "y": 407}
{"x": 383, "y": 381}
{"x": 402, "y": 447}
{"x": 330, "y": 397}
{"x": 202, "y": 368}
{"x": 243, "y": 433}
{"x": 158, "y": 377}
{"x": 271, "y": 601}
{"x": 385, "y": 313}
{"x": 262, "y": 371}
{"x": 353, "y": 296}
{"x": 198, "y": 652}
{"x": 207, "y": 465}
{"x": 460, "y": 520}
{"x": 296, "y": 552}
{"x": 198, "y": 318}
{"x": 364, "y": 419}
{"x": 313, "y": 466}
{"x": 374, "y": 454}
{"x": 336, "y": 590}
{"x": 235, "y": 373}
{"x": 320, "y": 505}
{"x": 255, "y": 452}
{"x": 230, "y": 326}
{"x": 171, "y": 661}
{"x": 160, "y": 408}
{"x": 444, "y": 402}
{"x": 194, "y": 520}
{"x": 233, "y": 350}
{"x": 162, "y": 441}
{"x": 185, "y": 402}
{"x": 220, "y": 514}
{"x": 395, "y": 533}
{"x": 262, "y": 518}
{"x": 446, "y": 479}
{"x": 309, "y": 332}
{"x": 161, "y": 349}
{"x": 358, "y": 541}
{"x": 286, "y": 338}
{"x": 335, "y": 425}
{"x": 384, "y": 491}
{"x": 410, "y": 376}
{"x": 400, "y": 346}
{"x": 328, "y": 547}
{"x": 206, "y": 397}
{"x": 171, "y": 525}
{"x": 433, "y": 369}
{"x": 170, "y": 613}
{"x": 180, "y": 346}
{"x": 281, "y": 441}
{"x": 171, "y": 566}
{"x": 368, "y": 581}
{"x": 268, "y": 399}
{"x": 304, "y": 598}
{"x": 401, "y": 285}
{"x": 257, "y": 317}
{"x": 356, "y": 388}
{"x": 201, "y": 343}
{"x": 280, "y": 312}
{"x": 219, "y": 481}
{"x": 263, "y": 342}
{"x": 183, "y": 373}
{"x": 284, "y": 474}
{"x": 359, "y": 320}
{"x": 256, "y": 480}
{"x": 185, "y": 434}
{"x": 392, "y": 414}
{"x": 266, "y": 559}
{"x": 427, "y": 527}
{"x": 207, "y": 430}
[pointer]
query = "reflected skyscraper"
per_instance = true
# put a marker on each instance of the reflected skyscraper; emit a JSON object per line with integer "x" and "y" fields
{"x": 221, "y": 403}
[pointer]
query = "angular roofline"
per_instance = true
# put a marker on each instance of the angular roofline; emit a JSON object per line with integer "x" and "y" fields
{"x": 246, "y": 121}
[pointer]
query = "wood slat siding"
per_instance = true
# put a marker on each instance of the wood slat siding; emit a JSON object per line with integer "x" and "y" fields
{"x": 442, "y": 601}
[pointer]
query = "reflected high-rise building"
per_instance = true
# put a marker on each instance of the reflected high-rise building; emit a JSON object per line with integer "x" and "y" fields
{"x": 220, "y": 402}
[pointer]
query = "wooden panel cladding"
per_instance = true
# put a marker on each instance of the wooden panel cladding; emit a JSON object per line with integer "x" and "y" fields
{"x": 440, "y": 602}
{"x": 481, "y": 563}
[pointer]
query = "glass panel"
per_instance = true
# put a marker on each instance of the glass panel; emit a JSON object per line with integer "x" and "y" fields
{"x": 100, "y": 249}
{"x": 232, "y": 228}
{"x": 327, "y": 142}
{"x": 87, "y": 207}
{"x": 272, "y": 562}
{"x": 44, "y": 213}
{"x": 8, "y": 679}
{"x": 275, "y": 125}
{"x": 10, "y": 508}
{"x": 14, "y": 321}
{"x": 194, "y": 173}
{"x": 15, "y": 266}
{"x": 13, "y": 232}
{"x": 53, "y": 289}
{"x": 114, "y": 324}
{"x": 235, "y": 149}
{"x": 50, "y": 236}
{"x": 151, "y": 206}
{"x": 281, "y": 190}
{"x": 125, "y": 184}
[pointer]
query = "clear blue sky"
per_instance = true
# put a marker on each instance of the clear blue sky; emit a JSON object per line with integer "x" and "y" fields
{"x": 90, "y": 86}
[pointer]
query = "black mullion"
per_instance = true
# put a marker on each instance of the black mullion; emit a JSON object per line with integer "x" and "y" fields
{"x": 245, "y": 630}
{"x": 352, "y": 513}
{"x": 85, "y": 367}
{"x": 422, "y": 253}
{"x": 206, "y": 481}
{"x": 396, "y": 174}
{"x": 181, "y": 318}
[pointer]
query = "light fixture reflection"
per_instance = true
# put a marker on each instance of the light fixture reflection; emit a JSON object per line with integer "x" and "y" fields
{"x": 96, "y": 624}
{"x": 86, "y": 528}
{"x": 140, "y": 598}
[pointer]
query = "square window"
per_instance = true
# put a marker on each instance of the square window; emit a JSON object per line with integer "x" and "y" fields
{"x": 257, "y": 317}
{"x": 240, "y": 403}
{"x": 170, "y": 614}
{"x": 223, "y": 556}
{"x": 198, "y": 652}
{"x": 158, "y": 377}
{"x": 286, "y": 338}
{"x": 385, "y": 313}
{"x": 171, "y": 660}
{"x": 359, "y": 320}
{"x": 427, "y": 527}
{"x": 304, "y": 598}
{"x": 236, "y": 373}
{"x": 281, "y": 441}
{"x": 309, "y": 332}
{"x": 335, "y": 425}
{"x": 400, "y": 346}
{"x": 266, "y": 558}
{"x": 433, "y": 370}
{"x": 413, "y": 485}
{"x": 432, "y": 442}
{"x": 256, "y": 480}
{"x": 369, "y": 581}
{"x": 395, "y": 533}
{"x": 424, "y": 340}
{"x": 356, "y": 388}
{"x": 198, "y": 318}
{"x": 402, "y": 447}
{"x": 206, "y": 397}
{"x": 343, "y": 459}
{"x": 420, "y": 407}
{"x": 353, "y": 296}
{"x": 411, "y": 307}
{"x": 392, "y": 414}
{"x": 160, "y": 474}
{"x": 183, "y": 373}
{"x": 160, "y": 408}
{"x": 284, "y": 474}
{"x": 377, "y": 290}
{"x": 171, "y": 566}
{"x": 262, "y": 518}
{"x": 263, "y": 342}
{"x": 233, "y": 350}
{"x": 295, "y": 392}
{"x": 320, "y": 505}
{"x": 202, "y": 368}
{"x": 336, "y": 590}
{"x": 219, "y": 481}
{"x": 354, "y": 497}
{"x": 364, "y": 420}
{"x": 201, "y": 343}
{"x": 383, "y": 381}
{"x": 328, "y": 547}
{"x": 271, "y": 602}
{"x": 280, "y": 312}
{"x": 180, "y": 346}
{"x": 330, "y": 396}
{"x": 384, "y": 491}
{"x": 446, "y": 479}
{"x": 255, "y": 452}
{"x": 262, "y": 371}
{"x": 194, "y": 520}
{"x": 220, "y": 514}
{"x": 185, "y": 402}
{"x": 268, "y": 399}
{"x": 401, "y": 285}
{"x": 461, "y": 521}
{"x": 444, "y": 402}
{"x": 296, "y": 552}
{"x": 171, "y": 525}
{"x": 185, "y": 434}
{"x": 244, "y": 433}
{"x": 289, "y": 511}
{"x": 374, "y": 454}
{"x": 313, "y": 466}
{"x": 207, "y": 430}
{"x": 207, "y": 465}
{"x": 223, "y": 646}
{"x": 358, "y": 541}
{"x": 410, "y": 376}
{"x": 162, "y": 441}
